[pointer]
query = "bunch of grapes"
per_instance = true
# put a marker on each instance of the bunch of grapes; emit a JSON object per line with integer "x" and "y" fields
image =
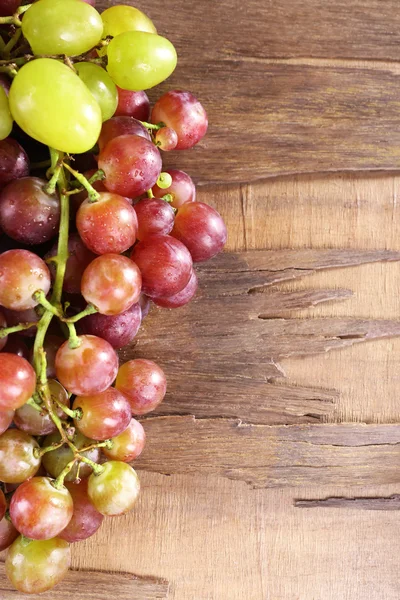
{"x": 92, "y": 234}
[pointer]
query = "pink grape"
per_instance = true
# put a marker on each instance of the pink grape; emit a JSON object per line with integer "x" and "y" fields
{"x": 34, "y": 422}
{"x": 182, "y": 112}
{"x": 182, "y": 297}
{"x": 143, "y": 383}
{"x": 14, "y": 161}
{"x": 118, "y": 330}
{"x": 166, "y": 139}
{"x": 79, "y": 258}
{"x": 28, "y": 214}
{"x": 182, "y": 188}
{"x": 6, "y": 417}
{"x": 22, "y": 273}
{"x": 154, "y": 216}
{"x": 3, "y": 323}
{"x": 133, "y": 104}
{"x": 16, "y": 345}
{"x": 8, "y": 534}
{"x": 123, "y": 125}
{"x": 132, "y": 165}
{"x": 114, "y": 492}
{"x": 108, "y": 225}
{"x": 15, "y": 317}
{"x": 17, "y": 381}
{"x": 112, "y": 283}
{"x": 105, "y": 415}
{"x": 86, "y": 519}
{"x": 165, "y": 264}
{"x": 17, "y": 459}
{"x": 202, "y": 229}
{"x": 54, "y": 462}
{"x": 129, "y": 444}
{"x": 89, "y": 369}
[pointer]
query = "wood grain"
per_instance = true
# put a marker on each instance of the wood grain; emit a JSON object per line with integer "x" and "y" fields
{"x": 391, "y": 503}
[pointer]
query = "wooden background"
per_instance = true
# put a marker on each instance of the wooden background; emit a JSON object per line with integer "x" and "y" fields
{"x": 272, "y": 471}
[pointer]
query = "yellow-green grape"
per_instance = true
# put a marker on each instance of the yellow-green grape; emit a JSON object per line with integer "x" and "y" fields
{"x": 139, "y": 61}
{"x": 101, "y": 85}
{"x": 119, "y": 19}
{"x": 62, "y": 27}
{"x": 6, "y": 121}
{"x": 52, "y": 105}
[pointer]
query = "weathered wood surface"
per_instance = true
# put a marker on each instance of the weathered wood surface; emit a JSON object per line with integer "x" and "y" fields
{"x": 390, "y": 503}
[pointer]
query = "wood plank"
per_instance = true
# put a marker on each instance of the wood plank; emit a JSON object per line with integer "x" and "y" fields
{"x": 390, "y": 503}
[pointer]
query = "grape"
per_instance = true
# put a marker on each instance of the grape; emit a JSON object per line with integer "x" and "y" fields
{"x": 86, "y": 519}
{"x": 14, "y": 317}
{"x": 165, "y": 264}
{"x": 17, "y": 381}
{"x": 40, "y": 511}
{"x": 17, "y": 459}
{"x": 22, "y": 273}
{"x": 145, "y": 305}
{"x": 138, "y": 61}
{"x": 108, "y": 225}
{"x": 14, "y": 161}
{"x": 118, "y": 19}
{"x": 54, "y": 462}
{"x": 114, "y": 492}
{"x": 34, "y": 422}
{"x": 89, "y": 369}
{"x": 6, "y": 417}
{"x": 62, "y": 27}
{"x": 144, "y": 384}
{"x": 27, "y": 213}
{"x": 112, "y": 283}
{"x": 3, "y": 323}
{"x": 182, "y": 188}
{"x": 6, "y": 121}
{"x": 3, "y": 505}
{"x": 118, "y": 126}
{"x": 79, "y": 258}
{"x": 37, "y": 566}
{"x": 166, "y": 139}
{"x": 8, "y": 534}
{"x": 40, "y": 101}
{"x": 16, "y": 345}
{"x": 132, "y": 165}
{"x": 118, "y": 330}
{"x": 201, "y": 228}
{"x": 8, "y": 7}
{"x": 181, "y": 298}
{"x": 133, "y": 104}
{"x": 129, "y": 444}
{"x": 76, "y": 199}
{"x": 182, "y": 112}
{"x": 154, "y": 216}
{"x": 105, "y": 415}
{"x": 101, "y": 85}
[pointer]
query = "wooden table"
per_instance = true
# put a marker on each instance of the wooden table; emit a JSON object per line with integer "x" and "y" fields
{"x": 272, "y": 469}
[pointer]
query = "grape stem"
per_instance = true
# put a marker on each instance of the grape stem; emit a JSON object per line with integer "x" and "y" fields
{"x": 34, "y": 405}
{"x": 94, "y": 196}
{"x": 15, "y": 20}
{"x": 152, "y": 126}
{"x": 89, "y": 310}
{"x": 59, "y": 482}
{"x": 5, "y": 331}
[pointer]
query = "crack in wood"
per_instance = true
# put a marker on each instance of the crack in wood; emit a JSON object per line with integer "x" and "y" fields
{"x": 367, "y": 503}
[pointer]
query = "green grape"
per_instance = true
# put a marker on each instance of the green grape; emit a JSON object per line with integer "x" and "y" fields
{"x": 119, "y": 19}
{"x": 6, "y": 121}
{"x": 139, "y": 61}
{"x": 101, "y": 85}
{"x": 62, "y": 27}
{"x": 52, "y": 105}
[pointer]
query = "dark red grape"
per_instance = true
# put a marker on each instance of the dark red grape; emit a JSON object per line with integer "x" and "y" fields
{"x": 27, "y": 213}
{"x": 105, "y": 415}
{"x": 182, "y": 112}
{"x": 166, "y": 139}
{"x": 144, "y": 384}
{"x": 154, "y": 216}
{"x": 165, "y": 264}
{"x": 201, "y": 228}
{"x": 118, "y": 330}
{"x": 8, "y": 534}
{"x": 22, "y": 273}
{"x": 117, "y": 126}
{"x": 15, "y": 317}
{"x": 16, "y": 345}
{"x": 54, "y": 462}
{"x": 181, "y": 298}
{"x": 129, "y": 444}
{"x": 114, "y": 492}
{"x": 133, "y": 104}
{"x": 14, "y": 161}
{"x": 86, "y": 519}
{"x": 8, "y": 7}
{"x": 132, "y": 165}
{"x": 17, "y": 381}
{"x": 182, "y": 188}
{"x": 17, "y": 459}
{"x": 79, "y": 258}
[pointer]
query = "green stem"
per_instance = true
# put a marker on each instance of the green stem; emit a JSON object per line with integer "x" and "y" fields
{"x": 59, "y": 482}
{"x": 33, "y": 404}
{"x": 20, "y": 327}
{"x": 12, "y": 42}
{"x": 89, "y": 310}
{"x": 153, "y": 127}
{"x": 97, "y": 469}
{"x": 150, "y": 193}
{"x": 106, "y": 444}
{"x": 41, "y": 299}
{"x": 74, "y": 341}
{"x": 9, "y": 70}
{"x": 50, "y": 188}
{"x": 74, "y": 414}
{"x": 94, "y": 196}
{"x": 14, "y": 19}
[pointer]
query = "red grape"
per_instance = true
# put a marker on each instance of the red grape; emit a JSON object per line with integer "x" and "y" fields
{"x": 3, "y": 505}
{"x": 133, "y": 104}
{"x": 105, "y": 415}
{"x": 16, "y": 345}
{"x": 6, "y": 417}
{"x": 182, "y": 188}
{"x": 17, "y": 381}
{"x": 40, "y": 511}
{"x": 143, "y": 383}
{"x": 76, "y": 199}
{"x": 166, "y": 139}
{"x": 201, "y": 228}
{"x": 14, "y": 161}
{"x": 132, "y": 165}
{"x": 8, "y": 7}
{"x": 79, "y": 258}
{"x": 8, "y": 534}
{"x": 17, "y": 459}
{"x": 123, "y": 125}
{"x": 165, "y": 264}
{"x": 108, "y": 225}
{"x": 129, "y": 444}
{"x": 22, "y": 273}
{"x": 114, "y": 492}
{"x": 15, "y": 317}
{"x": 181, "y": 298}
{"x": 88, "y": 369}
{"x": 54, "y": 462}
{"x": 154, "y": 216}
{"x": 112, "y": 283}
{"x": 37, "y": 566}
{"x": 86, "y": 519}
{"x": 182, "y": 112}
{"x": 3, "y": 323}
{"x": 118, "y": 330}
{"x": 34, "y": 422}
{"x": 27, "y": 213}
{"x": 145, "y": 305}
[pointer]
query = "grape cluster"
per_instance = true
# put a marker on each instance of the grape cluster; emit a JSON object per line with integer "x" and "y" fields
{"x": 90, "y": 237}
